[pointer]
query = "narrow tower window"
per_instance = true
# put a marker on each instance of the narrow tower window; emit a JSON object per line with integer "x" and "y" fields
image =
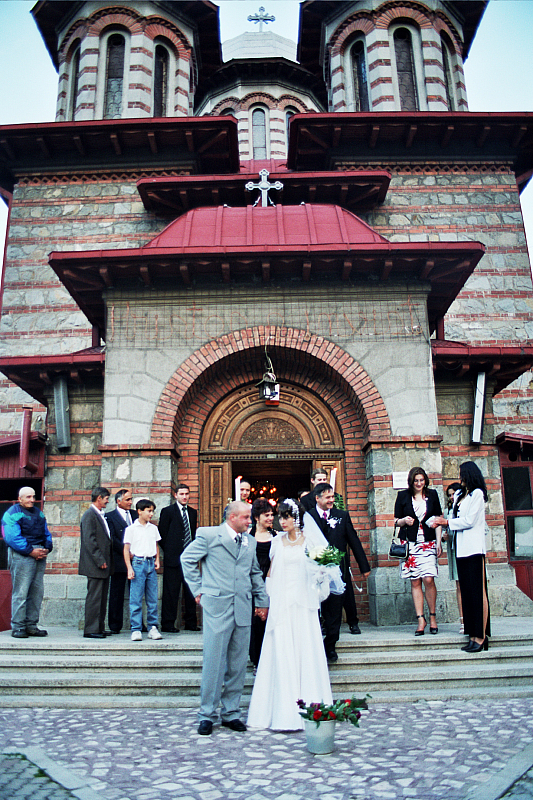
{"x": 116, "y": 46}
{"x": 160, "y": 81}
{"x": 75, "y": 82}
{"x": 259, "y": 134}
{"x": 403, "y": 50}
{"x": 289, "y": 113}
{"x": 448, "y": 77}
{"x": 360, "y": 80}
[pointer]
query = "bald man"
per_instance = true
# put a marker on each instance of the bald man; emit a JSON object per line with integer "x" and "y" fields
{"x": 29, "y": 541}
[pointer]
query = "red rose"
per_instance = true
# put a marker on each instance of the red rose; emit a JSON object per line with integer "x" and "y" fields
{"x": 317, "y": 714}
{"x": 332, "y": 715}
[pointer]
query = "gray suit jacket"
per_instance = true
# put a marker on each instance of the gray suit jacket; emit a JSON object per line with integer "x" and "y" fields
{"x": 229, "y": 576}
{"x": 95, "y": 546}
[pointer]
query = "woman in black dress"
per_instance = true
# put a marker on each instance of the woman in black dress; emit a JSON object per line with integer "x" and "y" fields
{"x": 263, "y": 518}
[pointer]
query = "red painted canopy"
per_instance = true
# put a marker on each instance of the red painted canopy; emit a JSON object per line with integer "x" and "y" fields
{"x": 235, "y": 228}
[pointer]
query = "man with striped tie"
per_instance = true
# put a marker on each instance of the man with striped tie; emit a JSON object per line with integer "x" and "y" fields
{"x": 177, "y": 526}
{"x": 118, "y": 520}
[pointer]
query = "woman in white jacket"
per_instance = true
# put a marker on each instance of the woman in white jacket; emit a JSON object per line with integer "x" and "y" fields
{"x": 468, "y": 521}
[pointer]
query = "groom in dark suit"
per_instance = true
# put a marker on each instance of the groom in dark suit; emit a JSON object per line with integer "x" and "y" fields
{"x": 337, "y": 527}
{"x": 177, "y": 527}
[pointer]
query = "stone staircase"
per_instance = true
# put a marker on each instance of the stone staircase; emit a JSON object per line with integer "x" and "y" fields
{"x": 390, "y": 664}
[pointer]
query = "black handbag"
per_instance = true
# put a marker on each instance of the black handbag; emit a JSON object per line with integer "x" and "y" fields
{"x": 398, "y": 549}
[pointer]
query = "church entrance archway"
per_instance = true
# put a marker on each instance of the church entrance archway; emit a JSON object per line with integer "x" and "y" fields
{"x": 272, "y": 447}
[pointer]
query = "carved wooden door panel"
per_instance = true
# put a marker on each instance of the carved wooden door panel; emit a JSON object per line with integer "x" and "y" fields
{"x": 216, "y": 488}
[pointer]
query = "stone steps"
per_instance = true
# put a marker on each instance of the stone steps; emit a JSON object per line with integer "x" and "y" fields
{"x": 391, "y": 666}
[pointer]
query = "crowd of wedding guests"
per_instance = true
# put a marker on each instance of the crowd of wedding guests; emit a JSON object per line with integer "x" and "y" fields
{"x": 251, "y": 576}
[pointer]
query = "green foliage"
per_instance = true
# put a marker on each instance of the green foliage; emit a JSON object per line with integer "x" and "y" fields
{"x": 340, "y": 710}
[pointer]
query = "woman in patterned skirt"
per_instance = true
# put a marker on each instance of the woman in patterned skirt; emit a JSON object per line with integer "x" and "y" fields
{"x": 414, "y": 506}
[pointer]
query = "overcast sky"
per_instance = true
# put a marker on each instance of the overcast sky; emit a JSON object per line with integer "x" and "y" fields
{"x": 498, "y": 69}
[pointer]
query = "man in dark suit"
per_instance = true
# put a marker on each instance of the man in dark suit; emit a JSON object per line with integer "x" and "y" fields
{"x": 337, "y": 527}
{"x": 177, "y": 526}
{"x": 118, "y": 520}
{"x": 318, "y": 476}
{"x": 96, "y": 562}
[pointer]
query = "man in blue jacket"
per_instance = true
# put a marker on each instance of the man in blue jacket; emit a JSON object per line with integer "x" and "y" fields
{"x": 29, "y": 541}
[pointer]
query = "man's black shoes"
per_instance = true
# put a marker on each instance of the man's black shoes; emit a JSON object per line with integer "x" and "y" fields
{"x": 172, "y": 630}
{"x": 205, "y": 727}
{"x": 355, "y": 628}
{"x": 234, "y": 725}
{"x": 332, "y": 657}
{"x": 94, "y": 635}
{"x": 19, "y": 634}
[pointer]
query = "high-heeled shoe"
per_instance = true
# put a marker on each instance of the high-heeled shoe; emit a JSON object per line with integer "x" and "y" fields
{"x": 435, "y": 629}
{"x": 468, "y": 647}
{"x": 477, "y": 648}
{"x": 421, "y": 633}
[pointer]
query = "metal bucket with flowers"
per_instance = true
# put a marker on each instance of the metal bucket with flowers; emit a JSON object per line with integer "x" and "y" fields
{"x": 320, "y": 721}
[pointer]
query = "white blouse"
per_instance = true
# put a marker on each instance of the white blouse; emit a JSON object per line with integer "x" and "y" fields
{"x": 470, "y": 525}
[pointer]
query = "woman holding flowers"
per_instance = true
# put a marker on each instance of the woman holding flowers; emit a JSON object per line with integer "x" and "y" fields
{"x": 414, "y": 509}
{"x": 293, "y": 664}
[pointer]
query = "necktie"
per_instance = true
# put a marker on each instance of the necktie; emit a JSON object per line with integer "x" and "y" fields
{"x": 325, "y": 515}
{"x": 187, "y": 528}
{"x": 128, "y": 518}
{"x": 238, "y": 539}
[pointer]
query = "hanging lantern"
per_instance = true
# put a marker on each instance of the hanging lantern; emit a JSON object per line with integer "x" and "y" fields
{"x": 268, "y": 386}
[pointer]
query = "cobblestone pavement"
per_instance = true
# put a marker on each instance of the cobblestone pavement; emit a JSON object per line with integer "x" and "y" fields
{"x": 20, "y": 778}
{"x": 424, "y": 751}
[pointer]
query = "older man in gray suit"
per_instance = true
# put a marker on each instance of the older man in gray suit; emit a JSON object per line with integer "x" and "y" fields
{"x": 221, "y": 569}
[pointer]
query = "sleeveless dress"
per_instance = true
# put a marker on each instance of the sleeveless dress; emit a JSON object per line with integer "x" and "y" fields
{"x": 422, "y": 561}
{"x": 293, "y": 663}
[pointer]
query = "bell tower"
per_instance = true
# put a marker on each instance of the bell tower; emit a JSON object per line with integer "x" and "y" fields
{"x": 128, "y": 61}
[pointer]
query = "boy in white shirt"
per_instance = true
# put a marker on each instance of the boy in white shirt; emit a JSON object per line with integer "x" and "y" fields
{"x": 141, "y": 554}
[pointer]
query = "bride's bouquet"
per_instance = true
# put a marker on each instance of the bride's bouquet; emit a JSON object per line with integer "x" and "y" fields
{"x": 324, "y": 565}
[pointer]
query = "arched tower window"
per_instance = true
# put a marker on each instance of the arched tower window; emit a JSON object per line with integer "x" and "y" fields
{"x": 360, "y": 77}
{"x": 289, "y": 112}
{"x": 259, "y": 138}
{"x": 448, "y": 74}
{"x": 161, "y": 65}
{"x": 74, "y": 82}
{"x": 114, "y": 84}
{"x": 227, "y": 112}
{"x": 405, "y": 70}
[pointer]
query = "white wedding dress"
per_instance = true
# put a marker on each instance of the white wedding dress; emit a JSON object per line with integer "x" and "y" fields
{"x": 293, "y": 663}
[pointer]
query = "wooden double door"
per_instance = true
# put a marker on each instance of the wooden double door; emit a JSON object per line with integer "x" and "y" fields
{"x": 274, "y": 448}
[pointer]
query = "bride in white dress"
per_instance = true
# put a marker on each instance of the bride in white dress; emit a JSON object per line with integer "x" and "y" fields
{"x": 293, "y": 662}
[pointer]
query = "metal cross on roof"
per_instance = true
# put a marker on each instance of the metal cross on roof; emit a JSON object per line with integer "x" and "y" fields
{"x": 261, "y": 17}
{"x": 264, "y": 187}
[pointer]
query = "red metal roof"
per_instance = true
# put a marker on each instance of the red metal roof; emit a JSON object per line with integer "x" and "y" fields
{"x": 34, "y": 373}
{"x": 256, "y": 227}
{"x": 503, "y": 363}
{"x": 354, "y": 190}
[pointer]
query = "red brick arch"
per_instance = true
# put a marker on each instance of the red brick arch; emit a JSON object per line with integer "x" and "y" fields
{"x": 246, "y": 347}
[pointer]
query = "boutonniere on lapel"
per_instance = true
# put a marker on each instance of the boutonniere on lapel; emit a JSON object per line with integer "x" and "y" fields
{"x": 333, "y": 522}
{"x": 244, "y": 540}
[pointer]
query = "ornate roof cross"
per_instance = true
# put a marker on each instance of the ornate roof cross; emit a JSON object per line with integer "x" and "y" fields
{"x": 264, "y": 187}
{"x": 261, "y": 17}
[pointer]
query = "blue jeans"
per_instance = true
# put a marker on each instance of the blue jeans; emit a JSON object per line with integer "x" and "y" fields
{"x": 144, "y": 584}
{"x": 27, "y": 577}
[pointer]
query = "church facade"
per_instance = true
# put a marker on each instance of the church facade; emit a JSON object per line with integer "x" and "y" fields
{"x": 343, "y": 214}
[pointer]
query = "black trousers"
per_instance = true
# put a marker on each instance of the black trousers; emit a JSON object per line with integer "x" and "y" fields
{"x": 96, "y": 605}
{"x": 117, "y": 587}
{"x": 348, "y": 598}
{"x": 172, "y": 583}
{"x": 472, "y": 582}
{"x": 331, "y": 617}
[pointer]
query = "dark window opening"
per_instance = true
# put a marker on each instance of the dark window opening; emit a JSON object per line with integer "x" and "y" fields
{"x": 116, "y": 48}
{"x": 160, "y": 81}
{"x": 360, "y": 80}
{"x": 405, "y": 69}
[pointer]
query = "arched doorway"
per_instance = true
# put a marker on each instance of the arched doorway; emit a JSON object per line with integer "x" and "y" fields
{"x": 275, "y": 446}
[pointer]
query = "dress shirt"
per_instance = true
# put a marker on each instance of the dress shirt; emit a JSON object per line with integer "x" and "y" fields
{"x": 142, "y": 539}
{"x": 469, "y": 525}
{"x": 126, "y": 515}
{"x": 232, "y": 533}
{"x": 102, "y": 514}
{"x": 322, "y": 511}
